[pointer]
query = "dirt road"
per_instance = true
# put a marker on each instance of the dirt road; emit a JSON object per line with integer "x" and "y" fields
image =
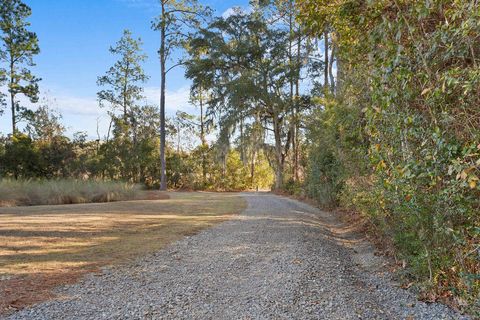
{"x": 280, "y": 259}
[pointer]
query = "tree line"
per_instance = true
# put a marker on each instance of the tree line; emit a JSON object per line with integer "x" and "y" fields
{"x": 141, "y": 144}
{"x": 253, "y": 74}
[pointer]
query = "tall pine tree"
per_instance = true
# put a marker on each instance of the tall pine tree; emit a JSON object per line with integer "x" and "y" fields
{"x": 123, "y": 79}
{"x": 176, "y": 19}
{"x": 19, "y": 45}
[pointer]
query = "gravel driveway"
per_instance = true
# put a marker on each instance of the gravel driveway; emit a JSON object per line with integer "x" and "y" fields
{"x": 280, "y": 259}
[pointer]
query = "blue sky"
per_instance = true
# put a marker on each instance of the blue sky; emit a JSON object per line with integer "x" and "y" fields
{"x": 74, "y": 38}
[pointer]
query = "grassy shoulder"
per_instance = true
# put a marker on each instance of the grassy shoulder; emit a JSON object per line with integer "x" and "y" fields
{"x": 45, "y": 246}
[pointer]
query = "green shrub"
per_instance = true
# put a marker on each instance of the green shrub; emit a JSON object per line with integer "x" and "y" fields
{"x": 324, "y": 177}
{"x": 408, "y": 114}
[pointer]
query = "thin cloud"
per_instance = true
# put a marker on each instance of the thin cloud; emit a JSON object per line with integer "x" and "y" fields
{"x": 78, "y": 105}
{"x": 174, "y": 100}
{"x": 82, "y": 113}
{"x": 236, "y": 9}
{"x": 142, "y": 4}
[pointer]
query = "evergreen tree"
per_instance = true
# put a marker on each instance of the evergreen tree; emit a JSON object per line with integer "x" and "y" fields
{"x": 19, "y": 45}
{"x": 245, "y": 67}
{"x": 123, "y": 79}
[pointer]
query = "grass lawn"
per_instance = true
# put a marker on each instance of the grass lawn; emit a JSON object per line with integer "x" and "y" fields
{"x": 42, "y": 247}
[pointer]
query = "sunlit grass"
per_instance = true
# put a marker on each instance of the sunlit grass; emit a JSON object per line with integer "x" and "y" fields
{"x": 43, "y": 238}
{"x": 44, "y": 192}
{"x": 42, "y": 247}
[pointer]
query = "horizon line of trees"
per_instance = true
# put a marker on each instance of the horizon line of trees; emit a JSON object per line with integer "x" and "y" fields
{"x": 265, "y": 125}
{"x": 132, "y": 149}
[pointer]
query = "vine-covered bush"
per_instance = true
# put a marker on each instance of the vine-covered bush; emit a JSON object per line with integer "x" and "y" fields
{"x": 424, "y": 128}
{"x": 417, "y": 93}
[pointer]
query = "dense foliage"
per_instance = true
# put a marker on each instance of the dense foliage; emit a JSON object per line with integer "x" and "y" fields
{"x": 249, "y": 66}
{"x": 408, "y": 116}
{"x": 48, "y": 153}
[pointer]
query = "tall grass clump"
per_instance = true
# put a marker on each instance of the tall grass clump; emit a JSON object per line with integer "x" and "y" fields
{"x": 49, "y": 192}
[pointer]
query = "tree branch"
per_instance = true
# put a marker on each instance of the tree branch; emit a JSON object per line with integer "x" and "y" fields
{"x": 175, "y": 65}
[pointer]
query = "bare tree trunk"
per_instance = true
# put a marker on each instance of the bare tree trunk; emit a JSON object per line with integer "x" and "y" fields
{"x": 12, "y": 98}
{"x": 252, "y": 166}
{"x": 295, "y": 139}
{"x": 14, "y": 119}
{"x": 163, "y": 175}
{"x": 255, "y": 149}
{"x": 292, "y": 81}
{"x": 202, "y": 124}
{"x": 330, "y": 70}
{"x": 203, "y": 140}
{"x": 137, "y": 176}
{"x": 243, "y": 157}
{"x": 125, "y": 85}
{"x": 327, "y": 62}
{"x": 338, "y": 84}
{"x": 278, "y": 153}
{"x": 224, "y": 154}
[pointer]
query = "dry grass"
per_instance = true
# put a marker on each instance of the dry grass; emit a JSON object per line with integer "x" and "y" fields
{"x": 44, "y": 246}
{"x": 49, "y": 192}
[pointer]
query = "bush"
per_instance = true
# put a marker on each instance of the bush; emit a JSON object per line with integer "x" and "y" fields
{"x": 324, "y": 178}
{"x": 21, "y": 158}
{"x": 408, "y": 114}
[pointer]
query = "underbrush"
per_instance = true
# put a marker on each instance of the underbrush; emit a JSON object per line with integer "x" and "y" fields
{"x": 50, "y": 192}
{"x": 401, "y": 139}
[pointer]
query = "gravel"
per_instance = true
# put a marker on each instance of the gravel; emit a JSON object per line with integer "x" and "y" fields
{"x": 280, "y": 259}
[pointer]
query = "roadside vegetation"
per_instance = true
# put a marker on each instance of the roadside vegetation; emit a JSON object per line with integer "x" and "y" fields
{"x": 399, "y": 139}
{"x": 369, "y": 106}
{"x": 43, "y": 192}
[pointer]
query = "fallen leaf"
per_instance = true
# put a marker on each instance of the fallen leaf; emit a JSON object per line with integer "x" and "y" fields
{"x": 472, "y": 184}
